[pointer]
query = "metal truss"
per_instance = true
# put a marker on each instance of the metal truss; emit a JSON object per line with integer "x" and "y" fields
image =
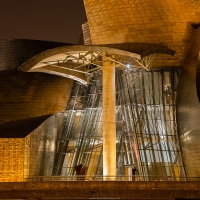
{"x": 146, "y": 125}
{"x": 80, "y": 62}
{"x": 85, "y": 131}
{"x": 150, "y": 99}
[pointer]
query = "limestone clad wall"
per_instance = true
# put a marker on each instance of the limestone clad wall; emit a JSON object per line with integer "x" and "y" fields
{"x": 11, "y": 159}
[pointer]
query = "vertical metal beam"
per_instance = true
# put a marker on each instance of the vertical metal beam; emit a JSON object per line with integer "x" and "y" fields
{"x": 156, "y": 124}
{"x": 165, "y": 125}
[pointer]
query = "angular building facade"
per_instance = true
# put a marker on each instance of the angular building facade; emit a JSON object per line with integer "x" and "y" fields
{"x": 154, "y": 48}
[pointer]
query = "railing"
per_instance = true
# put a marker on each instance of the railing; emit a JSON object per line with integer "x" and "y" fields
{"x": 109, "y": 178}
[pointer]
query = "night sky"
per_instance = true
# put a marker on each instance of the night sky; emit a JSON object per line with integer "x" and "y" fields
{"x": 56, "y": 20}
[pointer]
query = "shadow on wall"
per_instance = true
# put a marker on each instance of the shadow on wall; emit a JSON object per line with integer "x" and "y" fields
{"x": 27, "y": 99}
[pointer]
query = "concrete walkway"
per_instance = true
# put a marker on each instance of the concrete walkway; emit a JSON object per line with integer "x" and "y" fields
{"x": 100, "y": 190}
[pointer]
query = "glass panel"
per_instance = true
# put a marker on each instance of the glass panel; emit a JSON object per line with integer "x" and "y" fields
{"x": 145, "y": 121}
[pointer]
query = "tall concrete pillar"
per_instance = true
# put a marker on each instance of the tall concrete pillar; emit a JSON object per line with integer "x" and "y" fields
{"x": 109, "y": 125}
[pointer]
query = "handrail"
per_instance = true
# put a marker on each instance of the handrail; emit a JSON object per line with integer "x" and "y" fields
{"x": 109, "y": 178}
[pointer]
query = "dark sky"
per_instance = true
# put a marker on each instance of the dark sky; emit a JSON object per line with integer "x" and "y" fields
{"x": 55, "y": 20}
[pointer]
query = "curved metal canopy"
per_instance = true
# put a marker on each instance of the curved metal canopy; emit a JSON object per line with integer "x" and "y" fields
{"x": 79, "y": 62}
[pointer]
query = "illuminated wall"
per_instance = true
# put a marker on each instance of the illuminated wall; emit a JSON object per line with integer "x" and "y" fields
{"x": 146, "y": 126}
{"x": 12, "y": 159}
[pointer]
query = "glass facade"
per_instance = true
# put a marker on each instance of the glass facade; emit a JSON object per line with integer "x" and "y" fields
{"x": 146, "y": 127}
